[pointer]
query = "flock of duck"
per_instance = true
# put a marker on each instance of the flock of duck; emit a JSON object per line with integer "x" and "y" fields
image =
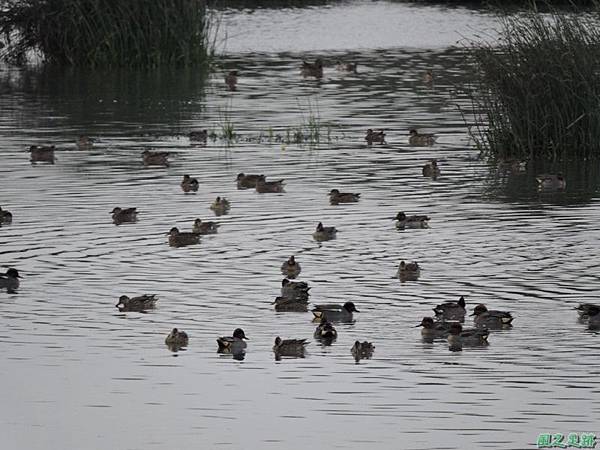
{"x": 448, "y": 317}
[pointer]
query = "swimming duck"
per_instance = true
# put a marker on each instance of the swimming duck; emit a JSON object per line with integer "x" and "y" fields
{"x": 291, "y": 268}
{"x": 198, "y": 136}
{"x": 220, "y": 206}
{"x": 10, "y": 280}
{"x": 5, "y": 216}
{"x": 428, "y": 77}
{"x": 122, "y": 215}
{"x": 233, "y": 344}
{"x": 42, "y": 153}
{"x": 431, "y": 169}
{"x": 155, "y": 158}
{"x": 231, "y": 80}
{"x": 587, "y": 309}
{"x": 312, "y": 69}
{"x": 324, "y": 233}
{"x": 334, "y": 312}
{"x": 336, "y": 197}
{"x": 141, "y": 303}
{"x": 263, "y": 186}
{"x": 420, "y": 139}
{"x": 181, "y": 239}
{"x": 189, "y": 184}
{"x": 84, "y": 142}
{"x": 248, "y": 181}
{"x": 177, "y": 338}
{"x": 409, "y": 271}
{"x": 551, "y": 182}
{"x": 291, "y": 304}
{"x": 491, "y": 318}
{"x": 459, "y": 337}
{"x": 325, "y": 331}
{"x": 375, "y": 136}
{"x": 451, "y": 310}
{"x": 434, "y": 330}
{"x": 289, "y": 347}
{"x": 346, "y": 67}
{"x": 414, "y": 221}
{"x": 362, "y": 350}
{"x": 294, "y": 289}
{"x": 205, "y": 227}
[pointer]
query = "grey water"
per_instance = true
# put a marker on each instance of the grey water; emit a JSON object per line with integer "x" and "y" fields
{"x": 77, "y": 373}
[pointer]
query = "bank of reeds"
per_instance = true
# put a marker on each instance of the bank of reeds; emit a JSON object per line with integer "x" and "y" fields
{"x": 107, "y": 33}
{"x": 537, "y": 94}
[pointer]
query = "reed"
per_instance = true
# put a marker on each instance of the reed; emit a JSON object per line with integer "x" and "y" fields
{"x": 131, "y": 33}
{"x": 535, "y": 96}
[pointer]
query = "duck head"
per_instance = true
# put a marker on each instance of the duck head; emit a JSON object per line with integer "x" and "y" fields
{"x": 239, "y": 333}
{"x": 427, "y": 322}
{"x": 349, "y": 306}
{"x": 479, "y": 309}
{"x": 12, "y": 273}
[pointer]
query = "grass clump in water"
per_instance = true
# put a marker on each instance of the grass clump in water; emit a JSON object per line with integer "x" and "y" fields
{"x": 537, "y": 94}
{"x": 125, "y": 33}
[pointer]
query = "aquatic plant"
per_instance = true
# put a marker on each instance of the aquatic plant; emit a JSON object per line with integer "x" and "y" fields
{"x": 132, "y": 33}
{"x": 535, "y": 95}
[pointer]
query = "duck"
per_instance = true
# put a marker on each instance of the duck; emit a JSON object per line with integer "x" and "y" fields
{"x": 491, "y": 318}
{"x": 420, "y": 139}
{"x": 231, "y": 80}
{"x": 431, "y": 169}
{"x": 5, "y": 216}
{"x": 200, "y": 227}
{"x": 434, "y": 330}
{"x": 451, "y": 310}
{"x": 458, "y": 336}
{"x": 263, "y": 186}
{"x": 220, "y": 206}
{"x": 233, "y": 344}
{"x": 248, "y": 181}
{"x": 122, "y": 215}
{"x": 84, "y": 142}
{"x": 336, "y": 197}
{"x": 334, "y": 312}
{"x": 141, "y": 303}
{"x": 189, "y": 184}
{"x": 414, "y": 221}
{"x": 294, "y": 289}
{"x": 198, "y": 136}
{"x": 41, "y": 153}
{"x": 346, "y": 67}
{"x": 587, "y": 309}
{"x": 291, "y": 268}
{"x": 312, "y": 69}
{"x": 409, "y": 271}
{"x": 289, "y": 347}
{"x": 325, "y": 331}
{"x": 181, "y": 239}
{"x": 291, "y": 304}
{"x": 551, "y": 182}
{"x": 155, "y": 158}
{"x": 10, "y": 280}
{"x": 362, "y": 350}
{"x": 428, "y": 77}
{"x": 177, "y": 338}
{"x": 324, "y": 233}
{"x": 375, "y": 136}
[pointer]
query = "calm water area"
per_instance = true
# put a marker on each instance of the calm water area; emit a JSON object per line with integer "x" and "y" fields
{"x": 78, "y": 374}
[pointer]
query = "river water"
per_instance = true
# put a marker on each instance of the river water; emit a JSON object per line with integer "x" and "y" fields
{"x": 77, "y": 373}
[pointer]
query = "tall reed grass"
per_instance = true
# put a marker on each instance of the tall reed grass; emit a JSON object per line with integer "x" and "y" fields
{"x": 537, "y": 94}
{"x": 125, "y": 33}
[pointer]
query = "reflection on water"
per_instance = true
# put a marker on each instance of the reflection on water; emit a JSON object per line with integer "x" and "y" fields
{"x": 81, "y": 374}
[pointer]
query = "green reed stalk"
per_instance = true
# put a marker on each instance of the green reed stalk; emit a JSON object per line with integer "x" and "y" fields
{"x": 125, "y": 33}
{"x": 536, "y": 94}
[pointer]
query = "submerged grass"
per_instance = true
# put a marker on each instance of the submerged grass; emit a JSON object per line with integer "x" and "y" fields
{"x": 536, "y": 96}
{"x": 131, "y": 33}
